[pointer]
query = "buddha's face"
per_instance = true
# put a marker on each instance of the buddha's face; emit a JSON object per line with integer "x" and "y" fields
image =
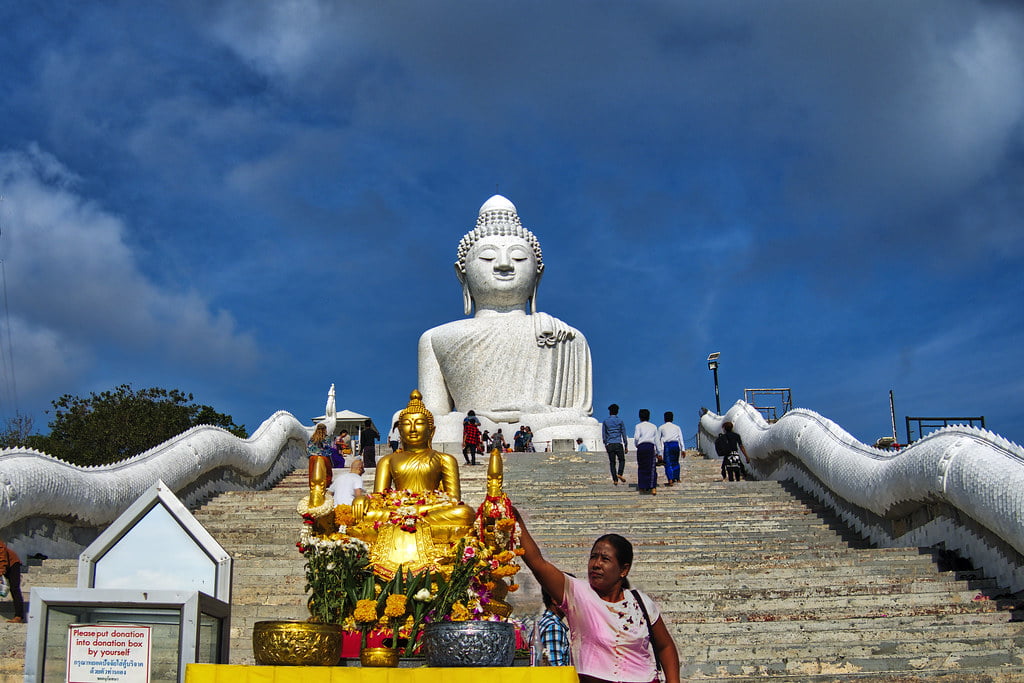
{"x": 415, "y": 430}
{"x": 501, "y": 272}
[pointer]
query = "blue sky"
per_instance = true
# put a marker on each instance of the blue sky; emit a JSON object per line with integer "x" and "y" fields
{"x": 250, "y": 201}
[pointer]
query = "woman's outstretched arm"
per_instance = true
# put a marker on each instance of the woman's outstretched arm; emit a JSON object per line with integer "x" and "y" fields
{"x": 548, "y": 575}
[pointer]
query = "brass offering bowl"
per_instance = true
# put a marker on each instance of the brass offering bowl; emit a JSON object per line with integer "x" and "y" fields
{"x": 296, "y": 643}
{"x": 378, "y": 656}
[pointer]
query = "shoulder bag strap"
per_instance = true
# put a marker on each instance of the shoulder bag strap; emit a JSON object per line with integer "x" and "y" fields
{"x": 647, "y": 618}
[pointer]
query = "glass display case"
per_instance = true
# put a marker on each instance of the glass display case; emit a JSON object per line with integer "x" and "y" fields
{"x": 155, "y": 566}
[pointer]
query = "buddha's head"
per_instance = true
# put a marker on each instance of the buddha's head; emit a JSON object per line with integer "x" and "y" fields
{"x": 416, "y": 423}
{"x": 500, "y": 262}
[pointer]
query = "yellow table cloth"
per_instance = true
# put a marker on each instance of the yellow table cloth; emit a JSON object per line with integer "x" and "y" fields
{"x": 236, "y": 673}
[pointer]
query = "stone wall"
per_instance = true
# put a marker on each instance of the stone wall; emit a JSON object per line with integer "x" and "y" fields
{"x": 54, "y": 508}
{"x": 959, "y": 488}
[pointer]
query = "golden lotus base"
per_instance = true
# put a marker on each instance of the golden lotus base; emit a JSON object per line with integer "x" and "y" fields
{"x": 378, "y": 656}
{"x": 296, "y": 643}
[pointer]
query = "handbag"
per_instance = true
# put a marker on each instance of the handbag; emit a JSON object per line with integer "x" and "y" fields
{"x": 650, "y": 633}
{"x": 4, "y": 587}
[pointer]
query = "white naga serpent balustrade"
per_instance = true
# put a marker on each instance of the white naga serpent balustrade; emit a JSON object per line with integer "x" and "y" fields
{"x": 959, "y": 488}
{"x": 51, "y": 507}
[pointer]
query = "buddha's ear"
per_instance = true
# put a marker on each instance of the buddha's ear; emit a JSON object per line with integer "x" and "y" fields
{"x": 467, "y": 300}
{"x": 536, "y": 285}
{"x": 467, "y": 297}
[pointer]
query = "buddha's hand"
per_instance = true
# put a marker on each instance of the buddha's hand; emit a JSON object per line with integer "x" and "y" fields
{"x": 549, "y": 330}
{"x": 430, "y": 507}
{"x": 502, "y": 414}
{"x": 359, "y": 504}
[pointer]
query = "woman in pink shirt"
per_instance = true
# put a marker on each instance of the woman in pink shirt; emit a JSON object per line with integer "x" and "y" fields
{"x": 608, "y": 630}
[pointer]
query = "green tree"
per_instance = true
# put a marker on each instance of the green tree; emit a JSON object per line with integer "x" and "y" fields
{"x": 118, "y": 424}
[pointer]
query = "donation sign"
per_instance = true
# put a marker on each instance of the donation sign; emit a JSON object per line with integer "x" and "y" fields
{"x": 102, "y": 654}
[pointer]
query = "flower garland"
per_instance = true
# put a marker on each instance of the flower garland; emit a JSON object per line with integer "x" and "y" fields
{"x": 498, "y": 510}
{"x": 406, "y": 507}
{"x": 304, "y": 508}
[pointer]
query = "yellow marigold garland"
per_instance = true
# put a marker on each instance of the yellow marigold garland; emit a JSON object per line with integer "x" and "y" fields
{"x": 343, "y": 516}
{"x": 504, "y": 570}
{"x": 459, "y": 612}
{"x": 366, "y": 611}
{"x": 395, "y": 606}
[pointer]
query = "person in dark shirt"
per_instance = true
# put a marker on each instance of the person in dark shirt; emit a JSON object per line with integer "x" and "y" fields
{"x": 727, "y": 445}
{"x": 368, "y": 444}
{"x": 519, "y": 440}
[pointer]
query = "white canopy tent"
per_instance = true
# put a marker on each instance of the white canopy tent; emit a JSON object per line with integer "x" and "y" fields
{"x": 345, "y": 419}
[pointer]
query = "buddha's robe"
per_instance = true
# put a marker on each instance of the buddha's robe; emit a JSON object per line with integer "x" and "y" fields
{"x": 495, "y": 366}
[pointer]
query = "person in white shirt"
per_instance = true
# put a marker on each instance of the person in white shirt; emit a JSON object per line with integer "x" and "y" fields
{"x": 394, "y": 438}
{"x": 348, "y": 485}
{"x": 580, "y": 446}
{"x": 672, "y": 446}
{"x": 648, "y": 447}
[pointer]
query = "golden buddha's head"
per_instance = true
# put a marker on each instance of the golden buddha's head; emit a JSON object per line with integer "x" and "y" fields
{"x": 416, "y": 423}
{"x": 499, "y": 261}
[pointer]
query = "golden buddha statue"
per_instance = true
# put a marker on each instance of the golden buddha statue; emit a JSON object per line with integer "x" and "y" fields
{"x": 416, "y": 501}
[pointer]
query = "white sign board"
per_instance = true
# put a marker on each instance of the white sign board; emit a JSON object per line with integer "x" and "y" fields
{"x": 108, "y": 654}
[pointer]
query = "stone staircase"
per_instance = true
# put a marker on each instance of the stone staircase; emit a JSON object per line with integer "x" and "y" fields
{"x": 755, "y": 580}
{"x": 758, "y": 582}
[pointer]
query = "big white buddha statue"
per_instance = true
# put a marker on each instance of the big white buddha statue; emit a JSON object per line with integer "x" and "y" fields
{"x": 509, "y": 363}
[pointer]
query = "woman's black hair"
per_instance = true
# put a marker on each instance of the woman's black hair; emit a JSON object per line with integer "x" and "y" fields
{"x": 623, "y": 551}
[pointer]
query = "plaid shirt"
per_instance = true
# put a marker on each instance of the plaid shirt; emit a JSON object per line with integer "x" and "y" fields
{"x": 553, "y": 640}
{"x": 470, "y": 434}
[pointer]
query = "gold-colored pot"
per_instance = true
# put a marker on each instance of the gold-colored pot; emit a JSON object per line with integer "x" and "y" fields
{"x": 499, "y": 608}
{"x": 378, "y": 656}
{"x": 296, "y": 643}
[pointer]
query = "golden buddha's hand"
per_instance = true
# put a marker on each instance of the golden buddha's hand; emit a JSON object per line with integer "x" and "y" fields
{"x": 359, "y": 506}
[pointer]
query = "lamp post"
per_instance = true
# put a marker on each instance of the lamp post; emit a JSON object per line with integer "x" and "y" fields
{"x": 713, "y": 367}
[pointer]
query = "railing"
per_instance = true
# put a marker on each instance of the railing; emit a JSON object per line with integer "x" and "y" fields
{"x": 959, "y": 488}
{"x": 51, "y": 507}
{"x": 755, "y": 398}
{"x": 933, "y": 423}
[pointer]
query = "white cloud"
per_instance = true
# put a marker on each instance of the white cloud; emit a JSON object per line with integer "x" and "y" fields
{"x": 38, "y": 359}
{"x": 281, "y": 39}
{"x": 76, "y": 291}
